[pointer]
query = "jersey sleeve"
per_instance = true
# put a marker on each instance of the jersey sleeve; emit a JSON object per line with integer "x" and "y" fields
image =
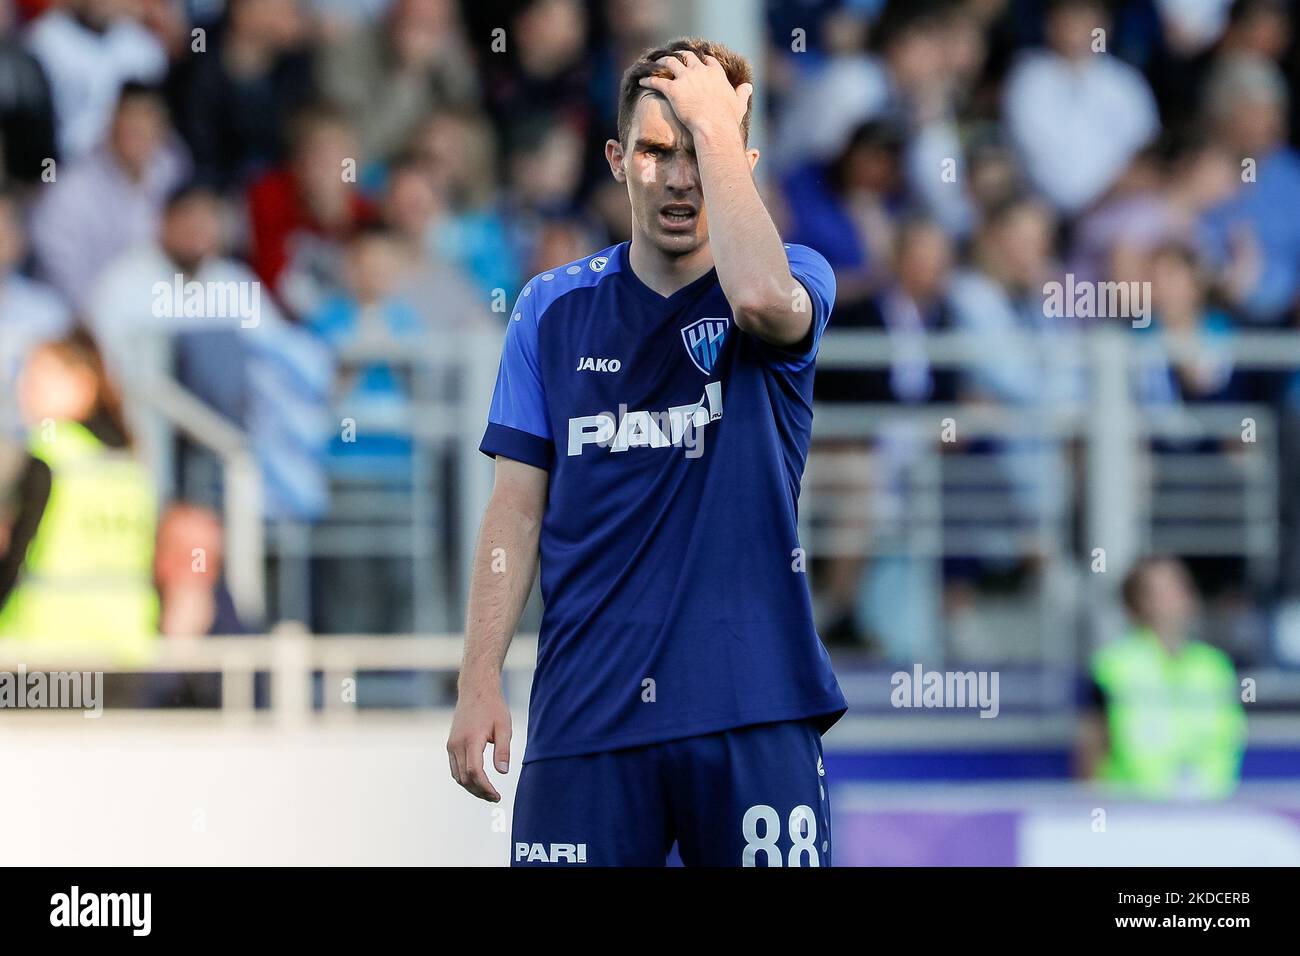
{"x": 518, "y": 427}
{"x": 811, "y": 270}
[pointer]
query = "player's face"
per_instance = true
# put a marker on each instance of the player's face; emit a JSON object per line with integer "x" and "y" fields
{"x": 659, "y": 167}
{"x": 663, "y": 179}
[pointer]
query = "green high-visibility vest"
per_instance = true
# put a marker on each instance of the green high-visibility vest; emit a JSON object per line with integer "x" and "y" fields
{"x": 86, "y": 584}
{"x": 1176, "y": 722}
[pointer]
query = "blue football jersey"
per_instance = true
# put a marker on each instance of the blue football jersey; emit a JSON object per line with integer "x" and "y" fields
{"x": 675, "y": 597}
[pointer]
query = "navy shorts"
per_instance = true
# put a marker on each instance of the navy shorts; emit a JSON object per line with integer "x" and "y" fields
{"x": 753, "y": 796}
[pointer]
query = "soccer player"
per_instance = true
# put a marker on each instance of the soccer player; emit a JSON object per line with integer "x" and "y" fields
{"x": 650, "y": 425}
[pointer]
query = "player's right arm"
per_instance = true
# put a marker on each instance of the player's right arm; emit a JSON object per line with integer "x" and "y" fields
{"x": 505, "y": 564}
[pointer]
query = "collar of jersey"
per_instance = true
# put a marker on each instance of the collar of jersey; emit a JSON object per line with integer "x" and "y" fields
{"x": 650, "y": 295}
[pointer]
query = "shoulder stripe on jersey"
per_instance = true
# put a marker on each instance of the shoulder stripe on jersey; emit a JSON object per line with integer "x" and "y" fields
{"x": 545, "y": 288}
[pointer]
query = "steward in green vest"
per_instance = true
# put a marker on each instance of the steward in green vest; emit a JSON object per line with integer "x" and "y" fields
{"x": 82, "y": 558}
{"x": 1173, "y": 721}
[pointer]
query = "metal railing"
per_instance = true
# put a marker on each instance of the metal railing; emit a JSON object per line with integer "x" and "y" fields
{"x": 1132, "y": 502}
{"x": 291, "y": 656}
{"x": 948, "y": 502}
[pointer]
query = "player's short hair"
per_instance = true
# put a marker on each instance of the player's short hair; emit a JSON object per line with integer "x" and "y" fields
{"x": 736, "y": 66}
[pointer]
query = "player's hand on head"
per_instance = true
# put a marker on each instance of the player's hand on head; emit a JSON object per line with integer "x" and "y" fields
{"x": 481, "y": 718}
{"x": 699, "y": 92}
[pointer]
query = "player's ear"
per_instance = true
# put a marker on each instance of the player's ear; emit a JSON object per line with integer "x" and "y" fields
{"x": 753, "y": 158}
{"x": 614, "y": 156}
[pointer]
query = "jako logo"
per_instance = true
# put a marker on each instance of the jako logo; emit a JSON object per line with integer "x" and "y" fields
{"x": 647, "y": 429}
{"x": 102, "y": 909}
{"x": 551, "y": 852}
{"x": 588, "y": 364}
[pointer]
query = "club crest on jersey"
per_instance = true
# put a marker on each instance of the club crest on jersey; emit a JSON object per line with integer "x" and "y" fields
{"x": 703, "y": 339}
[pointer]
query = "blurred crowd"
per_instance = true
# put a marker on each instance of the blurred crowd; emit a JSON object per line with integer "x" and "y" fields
{"x": 390, "y": 172}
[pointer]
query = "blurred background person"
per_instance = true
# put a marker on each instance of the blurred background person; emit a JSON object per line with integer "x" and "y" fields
{"x": 850, "y": 206}
{"x": 1185, "y": 178}
{"x": 234, "y": 102}
{"x": 30, "y": 311}
{"x": 132, "y": 305}
{"x": 193, "y": 602}
{"x": 881, "y": 608}
{"x": 77, "y": 571}
{"x": 109, "y": 199}
{"x": 91, "y": 49}
{"x": 188, "y": 569}
{"x": 1076, "y": 113}
{"x": 27, "y": 131}
{"x": 1187, "y": 345}
{"x": 458, "y": 153}
{"x": 1252, "y": 239}
{"x": 1165, "y": 717}
{"x": 415, "y": 206}
{"x": 390, "y": 77}
{"x": 302, "y": 213}
{"x": 544, "y": 71}
{"x": 370, "y": 594}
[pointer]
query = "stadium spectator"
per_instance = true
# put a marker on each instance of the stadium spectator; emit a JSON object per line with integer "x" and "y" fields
{"x": 389, "y": 77}
{"x": 370, "y": 593}
{"x": 458, "y": 152}
{"x": 301, "y": 214}
{"x": 194, "y": 602}
{"x": 76, "y": 575}
{"x": 27, "y": 134}
{"x": 30, "y": 311}
{"x": 236, "y": 99}
{"x": 1186, "y": 347}
{"x": 290, "y": 378}
{"x": 1113, "y": 242}
{"x": 1026, "y": 359}
{"x": 136, "y": 299}
{"x": 180, "y": 304}
{"x": 544, "y": 176}
{"x": 1255, "y": 28}
{"x": 444, "y": 296}
{"x": 849, "y": 207}
{"x": 912, "y": 305}
{"x": 631, "y": 26}
{"x": 1252, "y": 236}
{"x": 993, "y": 174}
{"x": 1028, "y": 363}
{"x": 90, "y": 49}
{"x": 369, "y": 312}
{"x": 188, "y": 565}
{"x": 837, "y": 92}
{"x": 108, "y": 200}
{"x": 1164, "y": 716}
{"x": 543, "y": 71}
{"x": 1076, "y": 114}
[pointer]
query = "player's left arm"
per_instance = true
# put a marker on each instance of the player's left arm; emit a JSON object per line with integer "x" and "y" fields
{"x": 766, "y": 300}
